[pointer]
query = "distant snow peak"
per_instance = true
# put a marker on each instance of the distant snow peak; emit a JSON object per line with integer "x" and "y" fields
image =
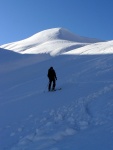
{"x": 53, "y": 41}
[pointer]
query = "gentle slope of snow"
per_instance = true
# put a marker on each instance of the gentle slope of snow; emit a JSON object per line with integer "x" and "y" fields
{"x": 94, "y": 49}
{"x": 80, "y": 116}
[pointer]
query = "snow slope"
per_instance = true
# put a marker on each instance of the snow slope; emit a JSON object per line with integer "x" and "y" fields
{"x": 94, "y": 49}
{"x": 58, "y": 39}
{"x": 80, "y": 116}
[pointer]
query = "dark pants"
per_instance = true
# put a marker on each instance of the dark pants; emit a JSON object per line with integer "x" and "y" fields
{"x": 51, "y": 81}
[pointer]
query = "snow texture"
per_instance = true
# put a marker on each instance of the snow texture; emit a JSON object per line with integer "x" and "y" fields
{"x": 80, "y": 116}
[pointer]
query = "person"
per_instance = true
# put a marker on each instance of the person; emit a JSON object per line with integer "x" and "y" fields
{"x": 52, "y": 78}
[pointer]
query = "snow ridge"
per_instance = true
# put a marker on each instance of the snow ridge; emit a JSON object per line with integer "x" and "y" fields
{"x": 53, "y": 41}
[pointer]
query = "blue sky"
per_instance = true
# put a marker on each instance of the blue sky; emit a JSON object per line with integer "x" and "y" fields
{"x": 20, "y": 19}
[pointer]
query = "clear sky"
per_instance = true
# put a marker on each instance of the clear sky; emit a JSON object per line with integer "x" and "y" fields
{"x": 20, "y": 19}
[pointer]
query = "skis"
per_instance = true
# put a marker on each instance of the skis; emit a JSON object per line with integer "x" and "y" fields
{"x": 58, "y": 89}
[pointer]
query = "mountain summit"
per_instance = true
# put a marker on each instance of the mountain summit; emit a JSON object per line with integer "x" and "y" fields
{"x": 61, "y": 34}
{"x": 53, "y": 41}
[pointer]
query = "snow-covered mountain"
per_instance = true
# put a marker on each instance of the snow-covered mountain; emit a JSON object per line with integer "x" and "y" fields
{"x": 53, "y": 41}
{"x": 80, "y": 116}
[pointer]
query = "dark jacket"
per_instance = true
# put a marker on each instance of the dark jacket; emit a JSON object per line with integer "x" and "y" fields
{"x": 52, "y": 74}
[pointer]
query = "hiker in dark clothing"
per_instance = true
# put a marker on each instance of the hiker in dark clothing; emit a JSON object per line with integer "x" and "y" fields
{"x": 52, "y": 78}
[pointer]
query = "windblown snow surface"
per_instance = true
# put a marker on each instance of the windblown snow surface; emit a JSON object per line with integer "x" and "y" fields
{"x": 78, "y": 117}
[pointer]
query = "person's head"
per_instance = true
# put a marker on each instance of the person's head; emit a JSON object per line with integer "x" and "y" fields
{"x": 51, "y": 68}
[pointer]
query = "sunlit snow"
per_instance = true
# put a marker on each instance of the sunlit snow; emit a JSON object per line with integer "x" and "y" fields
{"x": 78, "y": 117}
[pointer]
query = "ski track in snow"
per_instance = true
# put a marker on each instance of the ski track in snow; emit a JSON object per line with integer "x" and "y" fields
{"x": 55, "y": 125}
